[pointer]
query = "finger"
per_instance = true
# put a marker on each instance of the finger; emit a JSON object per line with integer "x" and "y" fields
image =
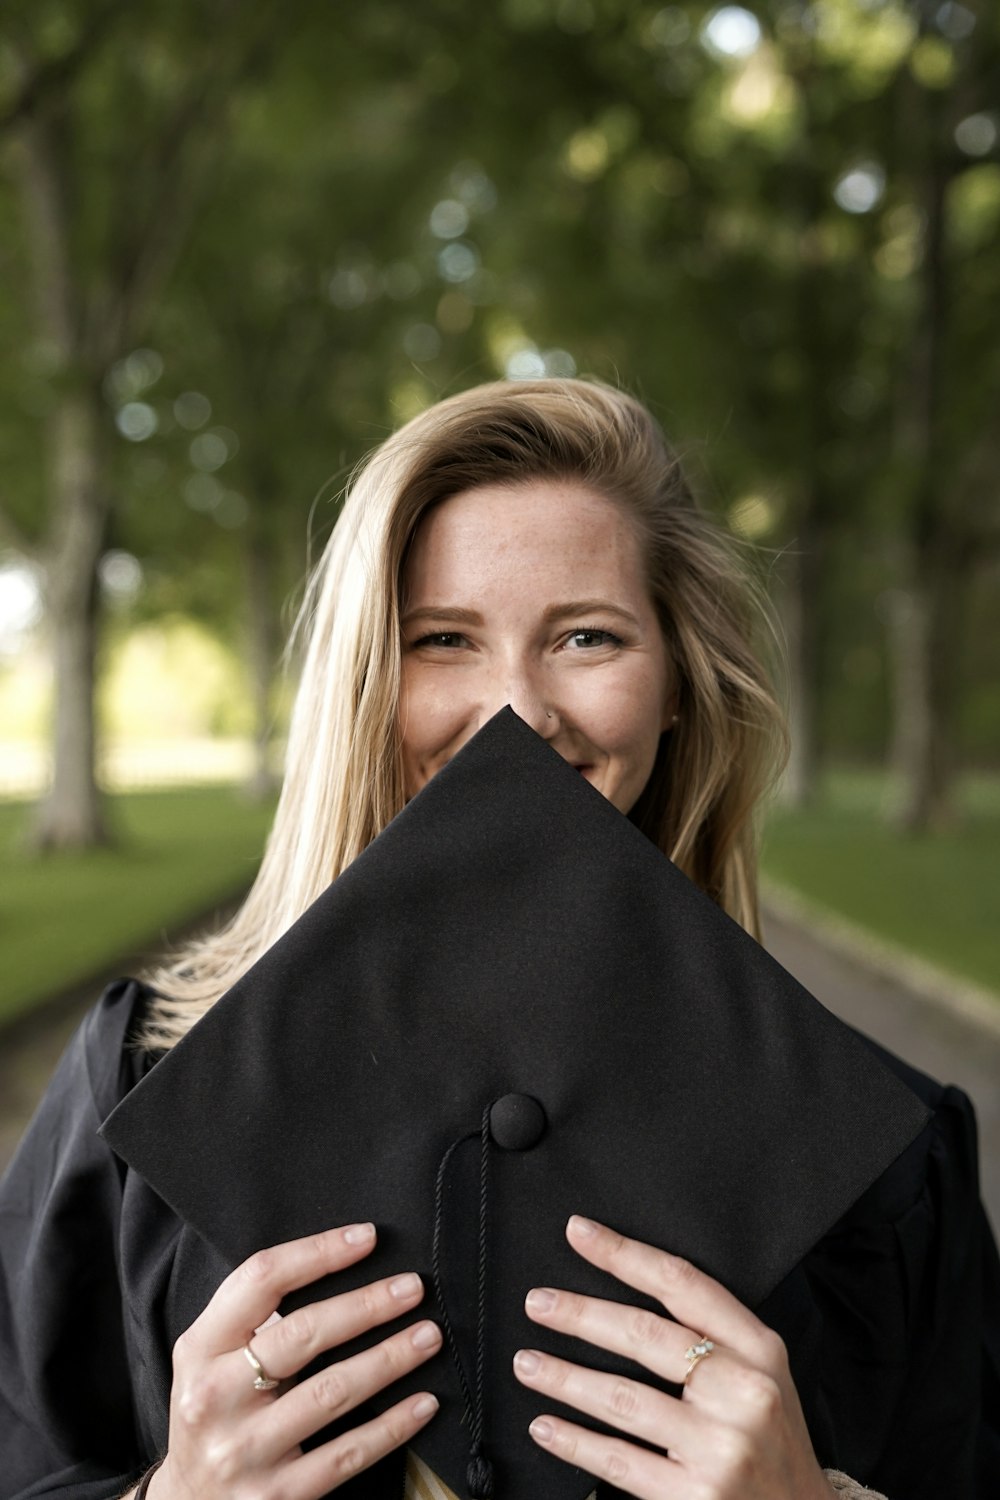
{"x": 251, "y": 1293}
{"x": 725, "y": 1385}
{"x": 326, "y": 1468}
{"x": 332, "y": 1393}
{"x": 655, "y": 1342}
{"x": 636, "y": 1409}
{"x": 288, "y": 1345}
{"x": 693, "y": 1298}
{"x": 650, "y": 1476}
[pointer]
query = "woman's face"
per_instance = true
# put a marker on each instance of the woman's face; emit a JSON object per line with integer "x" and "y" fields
{"x": 535, "y": 596}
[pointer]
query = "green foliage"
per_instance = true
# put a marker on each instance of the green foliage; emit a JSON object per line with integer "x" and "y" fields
{"x": 626, "y": 198}
{"x": 934, "y": 895}
{"x": 63, "y": 920}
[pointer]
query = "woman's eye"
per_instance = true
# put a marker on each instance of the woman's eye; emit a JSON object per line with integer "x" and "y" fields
{"x": 584, "y": 640}
{"x": 446, "y": 638}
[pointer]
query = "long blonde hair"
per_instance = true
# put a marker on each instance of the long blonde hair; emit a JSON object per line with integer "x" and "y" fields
{"x": 343, "y": 780}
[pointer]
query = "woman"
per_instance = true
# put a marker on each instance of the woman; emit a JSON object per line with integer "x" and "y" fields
{"x": 531, "y": 544}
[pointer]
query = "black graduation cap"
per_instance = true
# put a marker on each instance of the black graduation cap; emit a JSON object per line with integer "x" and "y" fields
{"x": 512, "y": 998}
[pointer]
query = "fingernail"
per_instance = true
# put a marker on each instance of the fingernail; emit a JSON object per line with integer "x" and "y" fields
{"x": 405, "y": 1287}
{"x": 425, "y": 1406}
{"x": 357, "y": 1234}
{"x": 425, "y": 1336}
{"x": 527, "y": 1362}
{"x": 540, "y": 1299}
{"x": 581, "y": 1227}
{"x": 541, "y": 1430}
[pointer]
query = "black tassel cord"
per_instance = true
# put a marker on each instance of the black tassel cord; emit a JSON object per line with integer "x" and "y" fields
{"x": 479, "y": 1472}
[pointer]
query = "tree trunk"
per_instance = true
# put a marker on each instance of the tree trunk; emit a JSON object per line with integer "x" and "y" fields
{"x": 811, "y": 524}
{"x": 925, "y": 624}
{"x": 926, "y": 627}
{"x": 909, "y": 745}
{"x": 803, "y": 635}
{"x": 85, "y": 330}
{"x": 71, "y": 815}
{"x": 262, "y": 651}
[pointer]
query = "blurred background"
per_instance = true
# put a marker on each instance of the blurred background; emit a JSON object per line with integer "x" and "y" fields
{"x": 242, "y": 240}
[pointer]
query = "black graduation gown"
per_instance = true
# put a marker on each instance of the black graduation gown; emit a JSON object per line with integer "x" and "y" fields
{"x": 892, "y": 1320}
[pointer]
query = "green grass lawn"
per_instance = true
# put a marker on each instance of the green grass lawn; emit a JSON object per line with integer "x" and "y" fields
{"x": 65, "y": 918}
{"x": 935, "y": 895}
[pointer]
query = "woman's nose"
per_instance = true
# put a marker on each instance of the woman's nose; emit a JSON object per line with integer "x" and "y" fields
{"x": 525, "y": 691}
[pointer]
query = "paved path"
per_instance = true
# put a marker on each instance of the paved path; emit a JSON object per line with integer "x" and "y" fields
{"x": 944, "y": 1045}
{"x": 948, "y": 1046}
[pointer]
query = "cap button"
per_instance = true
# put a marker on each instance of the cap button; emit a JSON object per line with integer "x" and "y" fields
{"x": 517, "y": 1122}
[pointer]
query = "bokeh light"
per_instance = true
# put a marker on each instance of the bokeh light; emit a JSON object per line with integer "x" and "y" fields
{"x": 20, "y": 602}
{"x": 976, "y": 135}
{"x": 128, "y": 378}
{"x": 860, "y": 190}
{"x": 458, "y": 261}
{"x": 208, "y": 451}
{"x": 525, "y": 364}
{"x": 560, "y": 363}
{"x": 202, "y": 492}
{"x": 137, "y": 421}
{"x": 120, "y": 576}
{"x": 752, "y": 516}
{"x": 731, "y": 33}
{"x": 473, "y": 186}
{"x": 192, "y": 410}
{"x": 449, "y": 219}
{"x": 956, "y": 22}
{"x": 347, "y": 288}
{"x": 669, "y": 27}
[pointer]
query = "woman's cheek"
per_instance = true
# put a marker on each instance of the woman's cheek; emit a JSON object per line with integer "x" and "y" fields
{"x": 432, "y": 723}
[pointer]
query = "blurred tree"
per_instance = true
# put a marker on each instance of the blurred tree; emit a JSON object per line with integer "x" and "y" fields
{"x": 944, "y": 461}
{"x": 682, "y": 163}
{"x": 724, "y": 206}
{"x": 112, "y": 119}
{"x": 287, "y": 318}
{"x": 789, "y": 289}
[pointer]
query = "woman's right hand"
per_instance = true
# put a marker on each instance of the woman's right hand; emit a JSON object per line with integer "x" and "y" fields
{"x": 228, "y": 1440}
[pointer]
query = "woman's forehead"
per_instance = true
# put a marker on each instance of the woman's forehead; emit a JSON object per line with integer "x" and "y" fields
{"x": 545, "y": 526}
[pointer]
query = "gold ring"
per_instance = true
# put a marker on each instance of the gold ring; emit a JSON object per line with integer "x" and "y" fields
{"x": 263, "y": 1381}
{"x": 696, "y": 1354}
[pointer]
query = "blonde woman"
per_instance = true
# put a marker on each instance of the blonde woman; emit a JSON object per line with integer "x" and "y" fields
{"x": 532, "y": 545}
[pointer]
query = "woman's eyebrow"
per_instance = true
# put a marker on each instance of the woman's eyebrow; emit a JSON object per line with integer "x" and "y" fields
{"x": 457, "y": 615}
{"x": 588, "y": 606}
{"x": 450, "y": 612}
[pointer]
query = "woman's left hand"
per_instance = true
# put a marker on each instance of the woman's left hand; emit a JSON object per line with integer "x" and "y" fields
{"x": 737, "y": 1432}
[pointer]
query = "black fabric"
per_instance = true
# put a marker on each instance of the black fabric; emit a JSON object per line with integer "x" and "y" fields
{"x": 510, "y": 933}
{"x": 892, "y": 1319}
{"x": 513, "y": 933}
{"x": 67, "y": 1418}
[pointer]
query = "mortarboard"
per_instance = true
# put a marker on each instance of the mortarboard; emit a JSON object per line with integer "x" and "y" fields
{"x": 512, "y": 1007}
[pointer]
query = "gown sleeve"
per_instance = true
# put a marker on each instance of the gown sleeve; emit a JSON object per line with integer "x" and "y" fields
{"x": 909, "y": 1288}
{"x": 67, "y": 1425}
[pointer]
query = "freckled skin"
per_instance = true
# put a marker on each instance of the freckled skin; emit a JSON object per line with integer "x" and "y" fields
{"x": 535, "y": 596}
